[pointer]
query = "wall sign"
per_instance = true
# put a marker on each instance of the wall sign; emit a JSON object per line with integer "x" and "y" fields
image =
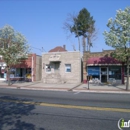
{"x": 94, "y": 70}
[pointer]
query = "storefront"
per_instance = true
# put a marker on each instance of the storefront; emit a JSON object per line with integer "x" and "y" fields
{"x": 20, "y": 74}
{"x": 105, "y": 73}
{"x": 2, "y": 71}
{"x": 28, "y": 70}
{"x": 104, "y": 69}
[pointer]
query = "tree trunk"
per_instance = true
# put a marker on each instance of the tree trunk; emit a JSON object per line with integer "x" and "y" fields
{"x": 127, "y": 83}
{"x": 8, "y": 76}
{"x": 79, "y": 42}
{"x": 84, "y": 44}
{"x": 88, "y": 43}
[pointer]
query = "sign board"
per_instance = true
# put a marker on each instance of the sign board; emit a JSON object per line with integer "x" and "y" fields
{"x": 11, "y": 75}
{"x": 54, "y": 57}
{"x": 93, "y": 70}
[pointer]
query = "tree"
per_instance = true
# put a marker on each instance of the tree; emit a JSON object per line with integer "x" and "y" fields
{"x": 118, "y": 37}
{"x": 71, "y": 21}
{"x": 84, "y": 26}
{"x": 13, "y": 47}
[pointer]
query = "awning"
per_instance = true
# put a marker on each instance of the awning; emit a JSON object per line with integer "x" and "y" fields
{"x": 102, "y": 61}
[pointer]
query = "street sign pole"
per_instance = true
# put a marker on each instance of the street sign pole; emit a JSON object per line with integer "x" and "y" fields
{"x": 88, "y": 81}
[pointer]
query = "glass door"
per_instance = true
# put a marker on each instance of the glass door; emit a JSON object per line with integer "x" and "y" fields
{"x": 103, "y": 74}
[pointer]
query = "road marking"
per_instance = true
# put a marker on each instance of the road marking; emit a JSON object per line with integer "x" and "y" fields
{"x": 77, "y": 93}
{"x": 69, "y": 106}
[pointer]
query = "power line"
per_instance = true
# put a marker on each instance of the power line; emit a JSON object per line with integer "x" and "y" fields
{"x": 42, "y": 49}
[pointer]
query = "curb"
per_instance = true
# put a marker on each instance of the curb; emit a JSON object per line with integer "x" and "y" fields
{"x": 100, "y": 91}
{"x": 68, "y": 90}
{"x": 74, "y": 87}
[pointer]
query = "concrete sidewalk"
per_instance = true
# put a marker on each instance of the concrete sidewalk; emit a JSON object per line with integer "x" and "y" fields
{"x": 99, "y": 88}
{"x": 38, "y": 86}
{"x": 103, "y": 88}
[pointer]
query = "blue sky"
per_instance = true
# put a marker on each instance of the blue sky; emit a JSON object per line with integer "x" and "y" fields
{"x": 41, "y": 21}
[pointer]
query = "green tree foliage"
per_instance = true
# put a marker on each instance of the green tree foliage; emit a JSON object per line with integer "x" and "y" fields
{"x": 84, "y": 26}
{"x": 13, "y": 47}
{"x": 118, "y": 37}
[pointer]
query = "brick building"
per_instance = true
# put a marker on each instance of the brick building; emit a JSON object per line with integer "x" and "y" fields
{"x": 2, "y": 69}
{"x": 29, "y": 69}
{"x": 102, "y": 66}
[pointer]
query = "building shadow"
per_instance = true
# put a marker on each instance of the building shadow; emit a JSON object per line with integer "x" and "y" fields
{"x": 11, "y": 111}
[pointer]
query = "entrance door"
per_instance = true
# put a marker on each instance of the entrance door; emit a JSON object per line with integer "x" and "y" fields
{"x": 104, "y": 74}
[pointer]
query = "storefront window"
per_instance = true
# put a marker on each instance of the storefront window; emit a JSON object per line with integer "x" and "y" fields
{"x": 2, "y": 71}
{"x": 48, "y": 68}
{"x": 93, "y": 71}
{"x": 115, "y": 72}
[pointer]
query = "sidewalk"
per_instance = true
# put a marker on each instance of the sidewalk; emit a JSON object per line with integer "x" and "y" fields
{"x": 66, "y": 87}
{"x": 103, "y": 88}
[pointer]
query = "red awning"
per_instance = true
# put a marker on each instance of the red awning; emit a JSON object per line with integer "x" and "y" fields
{"x": 102, "y": 61}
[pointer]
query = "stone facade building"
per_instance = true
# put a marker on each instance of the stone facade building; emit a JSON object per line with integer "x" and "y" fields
{"x": 61, "y": 66}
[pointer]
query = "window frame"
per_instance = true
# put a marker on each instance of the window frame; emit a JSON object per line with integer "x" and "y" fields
{"x": 68, "y": 67}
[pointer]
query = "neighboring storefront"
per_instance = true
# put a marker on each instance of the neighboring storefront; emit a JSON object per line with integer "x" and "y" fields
{"x": 2, "y": 71}
{"x": 27, "y": 70}
{"x": 101, "y": 66}
{"x": 21, "y": 73}
{"x": 105, "y": 73}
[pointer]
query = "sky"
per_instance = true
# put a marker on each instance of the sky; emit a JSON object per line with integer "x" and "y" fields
{"x": 42, "y": 21}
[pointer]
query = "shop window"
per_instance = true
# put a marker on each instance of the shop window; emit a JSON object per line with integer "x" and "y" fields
{"x": 48, "y": 68}
{"x": 67, "y": 67}
{"x": 115, "y": 72}
{"x": 94, "y": 77}
{"x": 1, "y": 73}
{"x": 94, "y": 72}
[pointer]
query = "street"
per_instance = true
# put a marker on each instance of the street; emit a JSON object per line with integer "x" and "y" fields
{"x": 56, "y": 110}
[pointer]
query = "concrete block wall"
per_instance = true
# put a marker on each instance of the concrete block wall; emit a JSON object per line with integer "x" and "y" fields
{"x": 73, "y": 58}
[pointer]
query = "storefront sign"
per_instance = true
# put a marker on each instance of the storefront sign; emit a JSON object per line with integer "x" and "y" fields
{"x": 93, "y": 70}
{"x": 54, "y": 57}
{"x": 11, "y": 75}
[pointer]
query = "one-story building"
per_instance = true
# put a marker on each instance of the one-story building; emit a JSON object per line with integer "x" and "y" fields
{"x": 101, "y": 66}
{"x": 28, "y": 70}
{"x": 2, "y": 69}
{"x": 61, "y": 66}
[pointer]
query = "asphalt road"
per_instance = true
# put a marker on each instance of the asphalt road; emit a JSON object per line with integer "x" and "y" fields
{"x": 51, "y": 110}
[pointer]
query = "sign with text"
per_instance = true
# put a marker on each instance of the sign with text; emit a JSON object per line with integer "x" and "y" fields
{"x": 94, "y": 70}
